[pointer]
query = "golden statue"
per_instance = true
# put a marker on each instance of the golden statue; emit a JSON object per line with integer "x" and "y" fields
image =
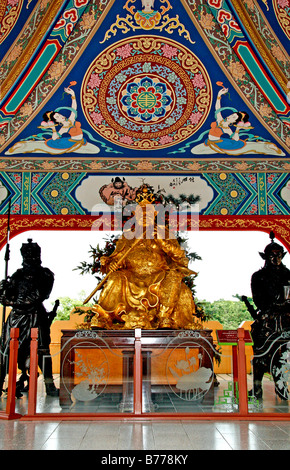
{"x": 144, "y": 285}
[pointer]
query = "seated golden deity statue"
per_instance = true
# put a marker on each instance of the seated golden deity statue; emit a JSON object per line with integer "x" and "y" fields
{"x": 145, "y": 286}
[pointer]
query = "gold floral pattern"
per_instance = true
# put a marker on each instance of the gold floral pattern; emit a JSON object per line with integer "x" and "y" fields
{"x": 9, "y": 14}
{"x": 279, "y": 224}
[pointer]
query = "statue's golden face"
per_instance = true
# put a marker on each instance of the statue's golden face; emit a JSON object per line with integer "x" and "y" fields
{"x": 145, "y": 221}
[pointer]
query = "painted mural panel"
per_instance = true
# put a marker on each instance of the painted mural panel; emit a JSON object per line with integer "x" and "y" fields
{"x": 71, "y": 193}
{"x": 153, "y": 79}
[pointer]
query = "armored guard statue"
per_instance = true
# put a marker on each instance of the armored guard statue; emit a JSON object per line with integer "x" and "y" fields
{"x": 25, "y": 292}
{"x": 272, "y": 316}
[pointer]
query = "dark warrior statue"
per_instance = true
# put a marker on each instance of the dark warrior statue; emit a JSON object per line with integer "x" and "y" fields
{"x": 272, "y": 316}
{"x": 25, "y": 292}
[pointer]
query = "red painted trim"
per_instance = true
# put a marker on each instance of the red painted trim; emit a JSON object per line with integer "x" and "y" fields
{"x": 280, "y": 224}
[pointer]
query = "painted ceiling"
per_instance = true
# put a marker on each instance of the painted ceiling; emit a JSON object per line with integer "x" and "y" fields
{"x": 189, "y": 96}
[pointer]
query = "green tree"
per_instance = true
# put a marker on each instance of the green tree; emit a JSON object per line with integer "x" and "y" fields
{"x": 230, "y": 313}
{"x": 67, "y": 304}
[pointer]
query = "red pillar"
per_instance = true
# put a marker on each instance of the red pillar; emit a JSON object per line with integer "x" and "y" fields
{"x": 242, "y": 373}
{"x": 138, "y": 373}
{"x": 12, "y": 375}
{"x": 33, "y": 373}
{"x": 235, "y": 367}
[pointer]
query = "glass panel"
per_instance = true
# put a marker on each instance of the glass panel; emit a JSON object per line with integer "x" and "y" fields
{"x": 269, "y": 390}
{"x": 91, "y": 373}
{"x": 96, "y": 372}
{"x": 226, "y": 379}
{"x": 179, "y": 374}
{"x": 183, "y": 372}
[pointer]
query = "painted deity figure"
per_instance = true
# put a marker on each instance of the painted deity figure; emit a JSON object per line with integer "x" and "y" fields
{"x": 59, "y": 134}
{"x": 145, "y": 285}
{"x": 51, "y": 120}
{"x": 147, "y": 5}
{"x": 222, "y": 133}
{"x": 231, "y": 134}
{"x": 117, "y": 188}
{"x": 147, "y": 18}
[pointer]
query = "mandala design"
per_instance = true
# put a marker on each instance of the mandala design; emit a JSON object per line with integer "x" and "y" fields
{"x": 146, "y": 93}
{"x": 146, "y": 100}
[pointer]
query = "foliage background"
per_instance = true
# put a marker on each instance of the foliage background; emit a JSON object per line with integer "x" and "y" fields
{"x": 230, "y": 313}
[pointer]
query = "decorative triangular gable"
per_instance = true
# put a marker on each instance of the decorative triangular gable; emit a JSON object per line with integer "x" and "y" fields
{"x": 191, "y": 92}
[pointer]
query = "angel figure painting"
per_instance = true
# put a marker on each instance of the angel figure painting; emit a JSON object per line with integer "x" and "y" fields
{"x": 60, "y": 134}
{"x": 231, "y": 134}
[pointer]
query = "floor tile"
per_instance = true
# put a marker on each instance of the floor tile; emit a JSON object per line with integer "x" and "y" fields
{"x": 245, "y": 441}
{"x": 62, "y": 444}
{"x": 169, "y": 441}
{"x": 269, "y": 431}
{"x": 99, "y": 443}
{"x": 136, "y": 437}
{"x": 278, "y": 444}
{"x": 210, "y": 443}
{"x": 155, "y": 435}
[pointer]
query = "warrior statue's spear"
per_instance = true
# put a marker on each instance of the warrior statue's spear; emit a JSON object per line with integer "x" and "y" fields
{"x": 6, "y": 259}
{"x": 106, "y": 277}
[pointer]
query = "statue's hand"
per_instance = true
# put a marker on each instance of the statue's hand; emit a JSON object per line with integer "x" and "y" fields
{"x": 3, "y": 287}
{"x": 114, "y": 266}
{"x": 183, "y": 262}
{"x": 103, "y": 260}
{"x": 4, "y": 284}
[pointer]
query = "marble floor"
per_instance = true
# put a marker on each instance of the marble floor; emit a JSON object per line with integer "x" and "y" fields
{"x": 154, "y": 436}
{"x": 144, "y": 435}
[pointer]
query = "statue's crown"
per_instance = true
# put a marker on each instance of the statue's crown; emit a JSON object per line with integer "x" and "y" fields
{"x": 30, "y": 249}
{"x": 145, "y": 196}
{"x": 272, "y": 246}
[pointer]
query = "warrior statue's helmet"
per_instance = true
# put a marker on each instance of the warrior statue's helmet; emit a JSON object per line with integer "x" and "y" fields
{"x": 273, "y": 246}
{"x": 30, "y": 251}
